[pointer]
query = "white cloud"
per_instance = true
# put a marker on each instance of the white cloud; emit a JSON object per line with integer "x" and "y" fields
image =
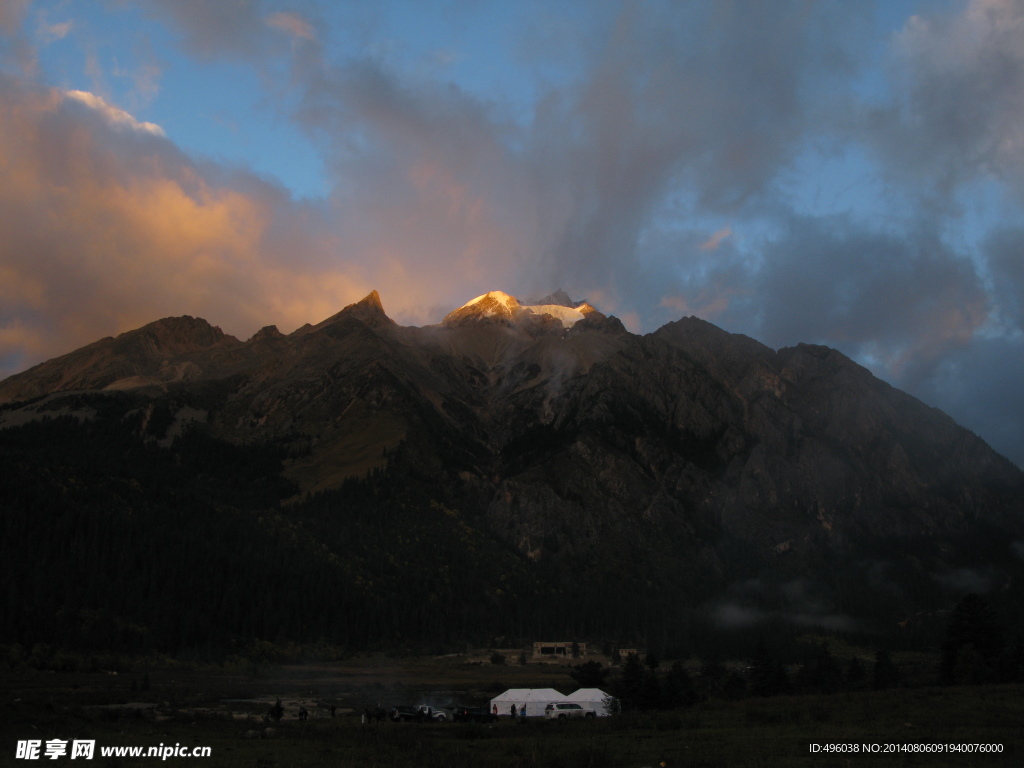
{"x": 114, "y": 115}
{"x": 49, "y": 33}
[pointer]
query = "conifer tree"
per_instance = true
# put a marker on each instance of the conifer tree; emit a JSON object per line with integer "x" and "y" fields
{"x": 884, "y": 674}
{"x": 677, "y": 688}
{"x": 629, "y": 688}
{"x": 763, "y": 678}
{"x": 973, "y": 642}
{"x": 855, "y": 673}
{"x": 590, "y": 674}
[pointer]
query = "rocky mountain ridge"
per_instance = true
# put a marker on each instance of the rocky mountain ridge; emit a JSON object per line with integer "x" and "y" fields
{"x": 697, "y": 465}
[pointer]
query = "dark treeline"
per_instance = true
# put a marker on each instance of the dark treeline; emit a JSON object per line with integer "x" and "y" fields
{"x": 975, "y": 651}
{"x": 110, "y": 542}
{"x": 113, "y": 541}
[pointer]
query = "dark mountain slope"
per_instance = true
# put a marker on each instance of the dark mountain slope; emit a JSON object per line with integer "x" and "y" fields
{"x": 160, "y": 351}
{"x": 581, "y": 479}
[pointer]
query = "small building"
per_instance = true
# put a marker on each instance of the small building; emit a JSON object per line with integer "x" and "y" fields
{"x": 557, "y": 650}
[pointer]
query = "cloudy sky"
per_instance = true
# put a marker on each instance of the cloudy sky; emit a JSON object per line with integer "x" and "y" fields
{"x": 844, "y": 173}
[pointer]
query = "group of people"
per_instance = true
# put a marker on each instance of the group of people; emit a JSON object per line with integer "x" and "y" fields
{"x": 521, "y": 712}
{"x": 276, "y": 712}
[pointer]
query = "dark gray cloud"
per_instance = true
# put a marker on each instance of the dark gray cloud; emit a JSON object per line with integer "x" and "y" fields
{"x": 905, "y": 301}
{"x": 429, "y": 192}
{"x": 12, "y": 13}
{"x": 959, "y": 109}
{"x": 229, "y": 28}
{"x": 710, "y": 102}
{"x": 979, "y": 385}
{"x": 1005, "y": 253}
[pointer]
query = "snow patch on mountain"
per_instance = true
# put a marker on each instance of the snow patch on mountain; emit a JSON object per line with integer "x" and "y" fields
{"x": 568, "y": 315}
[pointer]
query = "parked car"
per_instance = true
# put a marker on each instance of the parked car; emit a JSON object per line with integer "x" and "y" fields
{"x": 566, "y": 709}
{"x": 421, "y": 713}
{"x": 405, "y": 714}
{"x": 473, "y": 715}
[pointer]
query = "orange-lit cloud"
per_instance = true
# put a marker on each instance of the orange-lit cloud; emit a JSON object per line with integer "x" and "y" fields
{"x": 292, "y": 24}
{"x": 713, "y": 242}
{"x": 107, "y": 226}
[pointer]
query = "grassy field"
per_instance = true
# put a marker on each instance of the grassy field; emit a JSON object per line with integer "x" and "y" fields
{"x": 179, "y": 706}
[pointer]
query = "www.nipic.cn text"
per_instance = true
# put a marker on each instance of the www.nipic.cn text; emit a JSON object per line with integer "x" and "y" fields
{"x": 37, "y": 749}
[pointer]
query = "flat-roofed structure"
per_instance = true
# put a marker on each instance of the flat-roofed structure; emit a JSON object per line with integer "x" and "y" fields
{"x": 559, "y": 650}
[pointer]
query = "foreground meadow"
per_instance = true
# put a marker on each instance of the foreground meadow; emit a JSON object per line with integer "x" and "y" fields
{"x": 189, "y": 708}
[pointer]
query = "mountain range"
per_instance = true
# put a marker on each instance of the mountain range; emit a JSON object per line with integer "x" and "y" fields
{"x": 530, "y": 467}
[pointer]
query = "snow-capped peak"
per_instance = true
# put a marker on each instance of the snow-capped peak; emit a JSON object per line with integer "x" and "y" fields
{"x": 495, "y": 298}
{"x": 502, "y": 305}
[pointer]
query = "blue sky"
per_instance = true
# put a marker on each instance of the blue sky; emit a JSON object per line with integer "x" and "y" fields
{"x": 850, "y": 174}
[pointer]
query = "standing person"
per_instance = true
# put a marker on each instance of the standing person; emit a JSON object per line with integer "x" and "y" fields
{"x": 495, "y": 710}
{"x": 513, "y": 711}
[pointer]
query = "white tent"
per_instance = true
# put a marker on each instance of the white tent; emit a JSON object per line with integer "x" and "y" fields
{"x": 594, "y": 698}
{"x": 534, "y": 699}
